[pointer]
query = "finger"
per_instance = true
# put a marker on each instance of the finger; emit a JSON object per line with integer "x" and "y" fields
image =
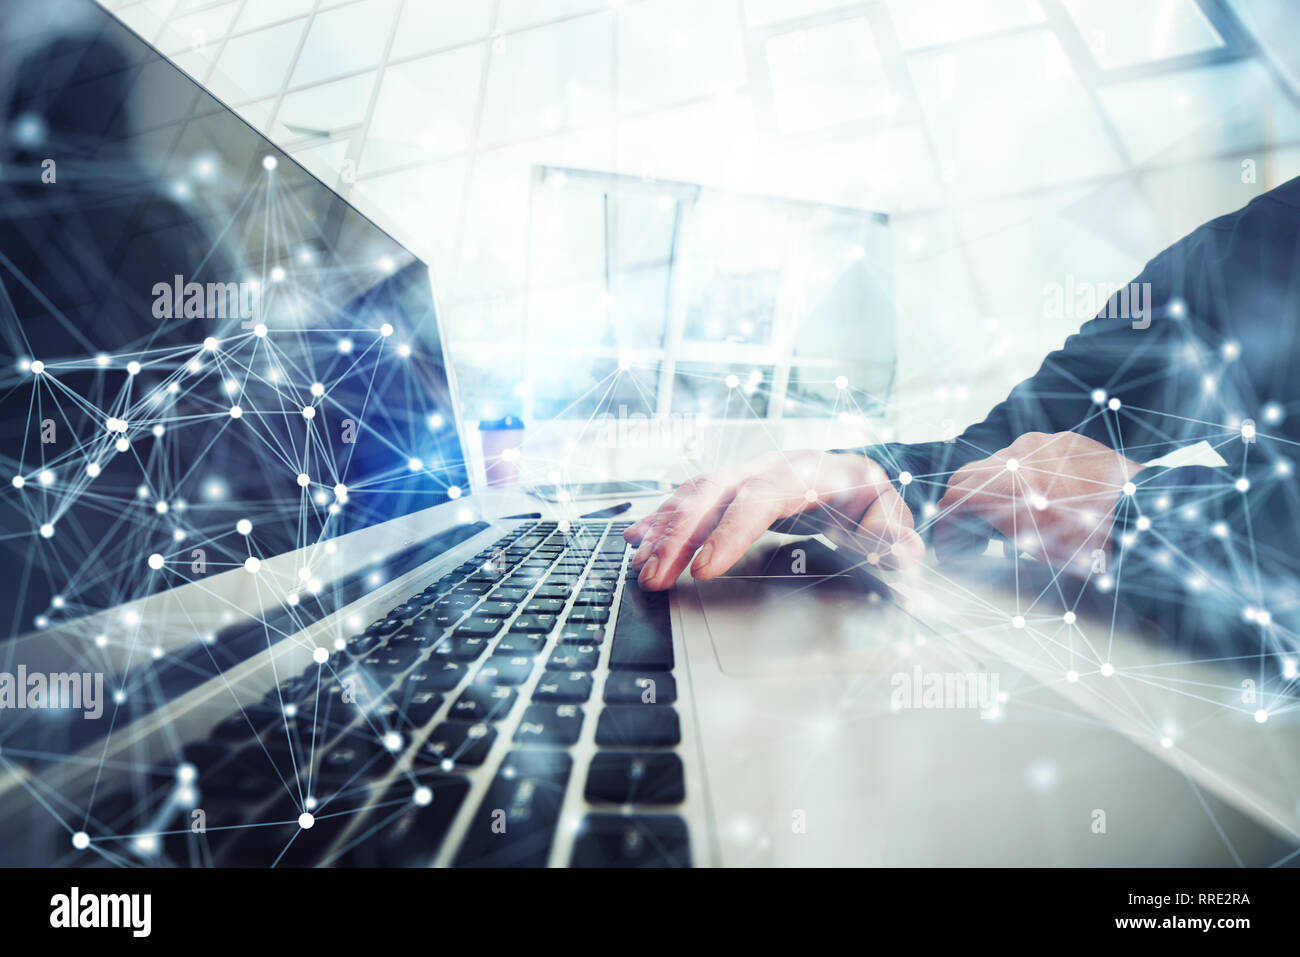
{"x": 963, "y": 527}
{"x": 754, "y": 507}
{"x": 887, "y": 533}
{"x": 680, "y": 532}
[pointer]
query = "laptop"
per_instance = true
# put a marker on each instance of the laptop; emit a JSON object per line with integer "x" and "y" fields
{"x": 263, "y": 615}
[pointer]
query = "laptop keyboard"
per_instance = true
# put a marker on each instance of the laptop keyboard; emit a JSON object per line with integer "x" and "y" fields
{"x": 501, "y": 667}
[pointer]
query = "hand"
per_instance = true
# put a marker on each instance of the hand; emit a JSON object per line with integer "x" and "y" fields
{"x": 723, "y": 513}
{"x": 1053, "y": 496}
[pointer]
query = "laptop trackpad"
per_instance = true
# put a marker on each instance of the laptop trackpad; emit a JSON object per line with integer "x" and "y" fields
{"x": 801, "y": 610}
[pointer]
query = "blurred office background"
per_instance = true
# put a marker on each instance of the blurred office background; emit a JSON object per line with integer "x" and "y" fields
{"x": 852, "y": 208}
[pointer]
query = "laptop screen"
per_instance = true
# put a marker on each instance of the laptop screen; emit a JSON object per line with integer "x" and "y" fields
{"x": 208, "y": 357}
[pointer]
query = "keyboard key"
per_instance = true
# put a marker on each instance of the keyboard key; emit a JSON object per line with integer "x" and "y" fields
{"x": 638, "y": 726}
{"x": 384, "y": 626}
{"x": 582, "y": 634}
{"x": 560, "y": 592}
{"x": 535, "y": 624}
{"x": 643, "y": 637}
{"x": 550, "y": 724}
{"x": 437, "y": 674}
{"x": 640, "y": 687}
{"x": 589, "y": 615}
{"x": 463, "y": 647}
{"x": 356, "y": 760}
{"x": 465, "y": 744}
{"x": 478, "y": 704}
{"x": 477, "y": 627}
{"x": 630, "y": 778}
{"x": 574, "y": 658}
{"x": 556, "y": 687}
{"x": 519, "y": 644}
{"x": 504, "y": 671}
{"x": 402, "y": 612}
{"x": 631, "y": 840}
{"x": 495, "y": 609}
{"x": 598, "y": 597}
{"x": 544, "y": 606}
{"x": 401, "y": 833}
{"x": 515, "y": 824}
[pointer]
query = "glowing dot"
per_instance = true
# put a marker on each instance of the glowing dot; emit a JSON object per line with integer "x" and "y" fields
{"x": 386, "y": 264}
{"x": 465, "y": 515}
{"x": 393, "y": 741}
{"x": 1219, "y": 530}
{"x": 904, "y": 478}
{"x": 158, "y": 431}
{"x": 1069, "y": 618}
{"x": 1072, "y": 676}
{"x": 841, "y": 382}
{"x": 1039, "y": 502}
{"x": 733, "y": 381}
{"x": 1231, "y": 350}
{"x": 404, "y": 351}
{"x": 1129, "y": 488}
{"x": 1261, "y": 716}
{"x": 259, "y": 330}
{"x": 156, "y": 561}
{"x": 277, "y": 274}
{"x": 101, "y": 641}
{"x": 121, "y": 445}
{"x": 1166, "y": 742}
{"x": 625, "y": 364}
{"x": 1242, "y": 484}
{"x": 81, "y": 840}
{"x": 448, "y": 764}
{"x": 1272, "y": 412}
{"x": 386, "y": 330}
{"x": 1018, "y": 621}
{"x": 1107, "y": 670}
{"x": 1143, "y": 523}
{"x": 1113, "y": 405}
{"x": 305, "y": 820}
{"x": 101, "y": 360}
{"x": 345, "y": 346}
{"x": 308, "y": 412}
{"x": 453, "y": 491}
{"x": 211, "y": 343}
{"x": 1248, "y": 431}
{"x": 435, "y": 421}
{"x": 1099, "y": 396}
{"x": 423, "y": 796}
{"x": 45, "y": 477}
{"x": 810, "y": 495}
{"x": 317, "y": 389}
{"x": 38, "y": 366}
{"x": 1177, "y": 308}
{"x": 47, "y": 530}
{"x": 304, "y": 479}
{"x": 236, "y": 412}
{"x": 252, "y": 564}
{"x": 320, "y": 656}
{"x": 160, "y": 507}
{"x": 269, "y": 162}
{"x": 1013, "y": 465}
{"x": 244, "y": 526}
{"x": 19, "y": 481}
{"x": 414, "y": 464}
{"x": 133, "y": 368}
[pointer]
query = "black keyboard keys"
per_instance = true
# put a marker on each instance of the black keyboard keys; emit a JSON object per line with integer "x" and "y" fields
{"x": 643, "y": 638}
{"x": 638, "y": 726}
{"x": 617, "y": 777}
{"x": 550, "y": 724}
{"x": 563, "y": 687}
{"x": 407, "y": 826}
{"x": 631, "y": 840}
{"x": 515, "y": 824}
{"x": 640, "y": 687}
